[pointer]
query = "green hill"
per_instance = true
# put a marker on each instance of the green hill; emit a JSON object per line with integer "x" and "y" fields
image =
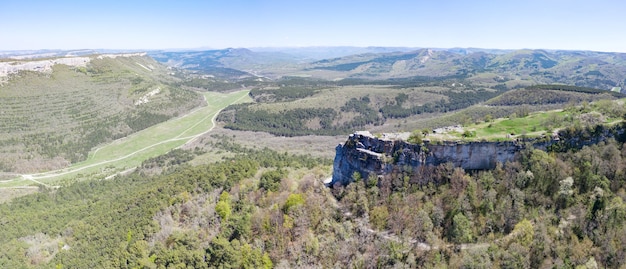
{"x": 53, "y": 118}
{"x": 551, "y": 94}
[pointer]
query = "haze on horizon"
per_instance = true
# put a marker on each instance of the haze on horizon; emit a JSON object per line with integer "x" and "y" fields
{"x": 534, "y": 24}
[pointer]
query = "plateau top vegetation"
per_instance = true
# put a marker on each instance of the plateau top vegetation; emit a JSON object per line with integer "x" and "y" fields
{"x": 524, "y": 124}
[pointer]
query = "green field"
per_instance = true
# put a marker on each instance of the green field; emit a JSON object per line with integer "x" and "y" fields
{"x": 538, "y": 124}
{"x": 532, "y": 124}
{"x": 131, "y": 151}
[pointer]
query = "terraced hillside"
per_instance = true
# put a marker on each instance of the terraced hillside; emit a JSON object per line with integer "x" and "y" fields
{"x": 51, "y": 117}
{"x": 124, "y": 155}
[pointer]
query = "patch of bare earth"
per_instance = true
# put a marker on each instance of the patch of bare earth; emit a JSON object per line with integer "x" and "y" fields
{"x": 313, "y": 124}
{"x": 188, "y": 213}
{"x": 39, "y": 163}
{"x": 8, "y": 194}
{"x": 316, "y": 146}
{"x": 345, "y": 117}
{"x": 42, "y": 248}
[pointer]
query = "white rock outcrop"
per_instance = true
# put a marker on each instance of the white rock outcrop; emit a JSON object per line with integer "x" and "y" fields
{"x": 12, "y": 67}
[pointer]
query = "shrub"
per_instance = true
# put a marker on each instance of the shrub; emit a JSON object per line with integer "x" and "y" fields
{"x": 223, "y": 208}
{"x": 294, "y": 199}
{"x": 415, "y": 137}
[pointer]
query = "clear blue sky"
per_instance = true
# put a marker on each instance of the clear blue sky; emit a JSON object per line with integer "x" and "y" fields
{"x": 548, "y": 24}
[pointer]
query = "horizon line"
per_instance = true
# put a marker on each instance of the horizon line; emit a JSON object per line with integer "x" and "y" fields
{"x": 205, "y": 48}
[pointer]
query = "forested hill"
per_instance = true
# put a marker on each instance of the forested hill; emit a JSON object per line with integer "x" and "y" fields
{"x": 300, "y": 109}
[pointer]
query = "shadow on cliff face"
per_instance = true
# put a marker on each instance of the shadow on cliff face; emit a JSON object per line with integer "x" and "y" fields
{"x": 364, "y": 156}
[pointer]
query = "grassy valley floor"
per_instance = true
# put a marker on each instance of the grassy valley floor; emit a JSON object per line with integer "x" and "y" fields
{"x": 131, "y": 151}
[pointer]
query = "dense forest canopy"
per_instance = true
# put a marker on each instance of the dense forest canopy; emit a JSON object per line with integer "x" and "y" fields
{"x": 262, "y": 209}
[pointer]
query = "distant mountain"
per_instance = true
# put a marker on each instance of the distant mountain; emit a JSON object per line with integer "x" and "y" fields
{"x": 523, "y": 67}
{"x": 473, "y": 50}
{"x": 46, "y": 53}
{"x": 320, "y": 53}
{"x": 228, "y": 63}
{"x": 487, "y": 67}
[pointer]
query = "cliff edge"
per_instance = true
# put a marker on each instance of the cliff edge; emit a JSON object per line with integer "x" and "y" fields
{"x": 367, "y": 154}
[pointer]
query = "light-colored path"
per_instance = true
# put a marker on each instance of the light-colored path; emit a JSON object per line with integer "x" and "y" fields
{"x": 118, "y": 153}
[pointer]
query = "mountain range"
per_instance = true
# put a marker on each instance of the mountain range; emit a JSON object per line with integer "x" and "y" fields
{"x": 514, "y": 68}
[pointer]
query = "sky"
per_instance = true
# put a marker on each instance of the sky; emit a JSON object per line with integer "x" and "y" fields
{"x": 597, "y": 25}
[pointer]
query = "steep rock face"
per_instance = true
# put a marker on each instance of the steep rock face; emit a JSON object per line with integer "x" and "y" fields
{"x": 366, "y": 154}
{"x": 370, "y": 155}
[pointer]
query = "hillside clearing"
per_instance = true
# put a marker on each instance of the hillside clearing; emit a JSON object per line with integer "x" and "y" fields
{"x": 132, "y": 150}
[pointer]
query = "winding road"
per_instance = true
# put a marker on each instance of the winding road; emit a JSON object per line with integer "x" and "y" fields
{"x": 190, "y": 138}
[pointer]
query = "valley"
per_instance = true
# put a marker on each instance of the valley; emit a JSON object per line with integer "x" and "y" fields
{"x": 53, "y": 118}
{"x": 462, "y": 158}
{"x": 131, "y": 151}
{"x": 312, "y": 134}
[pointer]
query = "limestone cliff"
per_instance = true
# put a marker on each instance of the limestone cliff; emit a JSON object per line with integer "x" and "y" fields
{"x": 367, "y": 154}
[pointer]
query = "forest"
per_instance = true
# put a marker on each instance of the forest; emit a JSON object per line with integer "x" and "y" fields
{"x": 456, "y": 100}
{"x": 552, "y": 94}
{"x": 336, "y": 120}
{"x": 260, "y": 208}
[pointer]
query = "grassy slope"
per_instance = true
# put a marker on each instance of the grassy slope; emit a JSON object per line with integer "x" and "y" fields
{"x": 131, "y": 151}
{"x": 540, "y": 123}
{"x": 63, "y": 114}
